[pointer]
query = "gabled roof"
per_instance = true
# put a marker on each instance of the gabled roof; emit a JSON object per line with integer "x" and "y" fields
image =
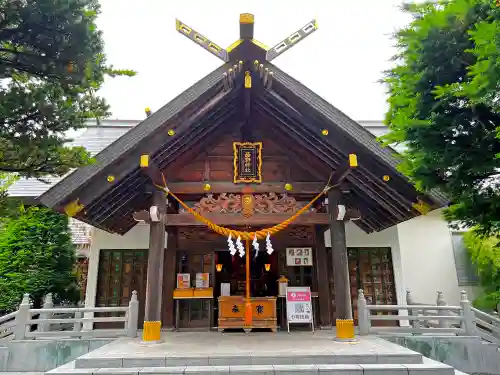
{"x": 219, "y": 103}
{"x": 96, "y": 138}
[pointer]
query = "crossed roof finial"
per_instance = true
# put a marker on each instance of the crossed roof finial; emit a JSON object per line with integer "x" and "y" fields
{"x": 239, "y": 49}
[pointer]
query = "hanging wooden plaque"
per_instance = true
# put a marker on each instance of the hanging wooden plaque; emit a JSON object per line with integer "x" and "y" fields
{"x": 247, "y": 162}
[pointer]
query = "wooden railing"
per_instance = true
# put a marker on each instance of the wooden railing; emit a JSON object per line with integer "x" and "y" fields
{"x": 68, "y": 321}
{"x": 463, "y": 320}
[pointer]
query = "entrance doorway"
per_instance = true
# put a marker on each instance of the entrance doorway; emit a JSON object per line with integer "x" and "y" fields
{"x": 195, "y": 313}
{"x": 231, "y": 270}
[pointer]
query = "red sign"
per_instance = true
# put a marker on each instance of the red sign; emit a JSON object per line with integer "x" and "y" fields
{"x": 298, "y": 296}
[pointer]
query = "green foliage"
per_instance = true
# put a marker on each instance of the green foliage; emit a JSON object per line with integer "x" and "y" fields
{"x": 7, "y": 206}
{"x": 37, "y": 256}
{"x": 485, "y": 254}
{"x": 444, "y": 106}
{"x": 52, "y": 57}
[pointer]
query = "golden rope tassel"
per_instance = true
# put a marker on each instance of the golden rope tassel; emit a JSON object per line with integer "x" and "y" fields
{"x": 261, "y": 234}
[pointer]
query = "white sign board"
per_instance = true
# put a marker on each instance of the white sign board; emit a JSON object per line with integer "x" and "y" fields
{"x": 183, "y": 281}
{"x": 202, "y": 280}
{"x": 299, "y": 256}
{"x": 299, "y": 306}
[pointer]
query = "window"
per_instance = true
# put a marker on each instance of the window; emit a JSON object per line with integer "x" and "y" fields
{"x": 466, "y": 271}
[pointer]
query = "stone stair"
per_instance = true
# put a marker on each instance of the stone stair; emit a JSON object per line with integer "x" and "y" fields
{"x": 371, "y": 356}
{"x": 351, "y": 364}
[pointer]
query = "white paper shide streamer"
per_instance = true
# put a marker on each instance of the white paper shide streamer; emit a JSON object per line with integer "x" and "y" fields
{"x": 240, "y": 247}
{"x": 230, "y": 243}
{"x": 255, "y": 245}
{"x": 269, "y": 245}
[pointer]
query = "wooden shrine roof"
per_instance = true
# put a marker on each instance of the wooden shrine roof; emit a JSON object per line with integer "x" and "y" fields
{"x": 203, "y": 113}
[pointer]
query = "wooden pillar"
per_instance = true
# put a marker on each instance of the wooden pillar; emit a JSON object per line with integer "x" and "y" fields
{"x": 169, "y": 274}
{"x": 152, "y": 316}
{"x": 324, "y": 294}
{"x": 340, "y": 261}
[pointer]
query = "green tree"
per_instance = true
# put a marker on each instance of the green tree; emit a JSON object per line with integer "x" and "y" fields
{"x": 444, "y": 106}
{"x": 52, "y": 62}
{"x": 485, "y": 254}
{"x": 37, "y": 256}
{"x": 7, "y": 206}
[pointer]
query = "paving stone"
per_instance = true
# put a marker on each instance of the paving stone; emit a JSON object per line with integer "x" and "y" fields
{"x": 355, "y": 358}
{"x": 229, "y": 360}
{"x": 118, "y": 371}
{"x": 75, "y": 371}
{"x": 314, "y": 359}
{"x": 302, "y": 369}
{"x": 340, "y": 369}
{"x": 272, "y": 360}
{"x": 430, "y": 368}
{"x": 254, "y": 370}
{"x": 187, "y": 361}
{"x": 206, "y": 370}
{"x": 384, "y": 369}
{"x": 145, "y": 362}
{"x": 162, "y": 370}
{"x": 400, "y": 359}
{"x": 85, "y": 362}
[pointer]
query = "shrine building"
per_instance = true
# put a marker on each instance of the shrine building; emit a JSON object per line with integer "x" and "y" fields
{"x": 249, "y": 154}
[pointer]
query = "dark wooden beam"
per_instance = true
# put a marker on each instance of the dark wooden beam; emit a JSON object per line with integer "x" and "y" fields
{"x": 303, "y": 188}
{"x": 324, "y": 294}
{"x": 340, "y": 258}
{"x": 169, "y": 278}
{"x": 186, "y": 219}
{"x": 246, "y": 130}
{"x": 156, "y": 255}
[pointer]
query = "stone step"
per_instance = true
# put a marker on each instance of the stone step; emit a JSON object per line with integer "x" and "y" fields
{"x": 326, "y": 369}
{"x": 139, "y": 361}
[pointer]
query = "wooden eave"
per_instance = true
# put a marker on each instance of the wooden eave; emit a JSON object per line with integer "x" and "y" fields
{"x": 206, "y": 111}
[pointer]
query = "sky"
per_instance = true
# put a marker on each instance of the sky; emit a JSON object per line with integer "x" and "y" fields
{"x": 342, "y": 61}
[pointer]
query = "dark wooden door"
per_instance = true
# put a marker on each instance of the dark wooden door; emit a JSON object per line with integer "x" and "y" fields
{"x": 195, "y": 313}
{"x": 120, "y": 273}
{"x": 370, "y": 269}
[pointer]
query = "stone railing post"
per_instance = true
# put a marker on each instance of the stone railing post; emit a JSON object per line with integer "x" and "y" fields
{"x": 48, "y": 303}
{"x": 441, "y": 302}
{"x": 133, "y": 315}
{"x": 469, "y": 322}
{"x": 22, "y": 317}
{"x": 363, "y": 312}
{"x": 77, "y": 326}
{"x": 412, "y": 311}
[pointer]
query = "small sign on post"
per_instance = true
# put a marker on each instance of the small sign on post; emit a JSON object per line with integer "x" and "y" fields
{"x": 299, "y": 306}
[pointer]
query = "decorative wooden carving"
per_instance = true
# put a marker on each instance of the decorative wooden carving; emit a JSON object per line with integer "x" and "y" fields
{"x": 299, "y": 232}
{"x": 275, "y": 203}
{"x": 197, "y": 234}
{"x": 224, "y": 203}
{"x": 269, "y": 203}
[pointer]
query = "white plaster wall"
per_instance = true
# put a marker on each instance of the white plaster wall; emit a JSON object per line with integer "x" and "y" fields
{"x": 136, "y": 238}
{"x": 427, "y": 260}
